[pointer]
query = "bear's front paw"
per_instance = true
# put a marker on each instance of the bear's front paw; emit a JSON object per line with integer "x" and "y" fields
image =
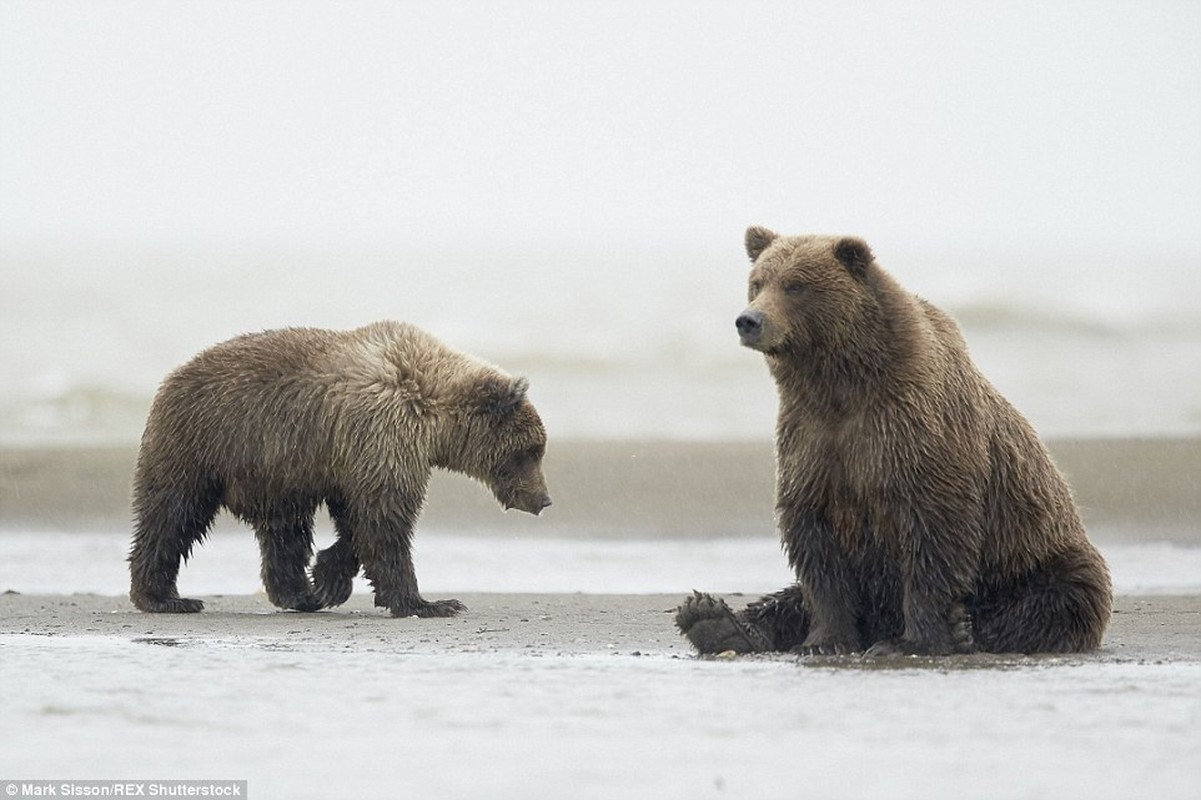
{"x": 959, "y": 640}
{"x": 294, "y": 599}
{"x": 963, "y": 636}
{"x": 891, "y": 648}
{"x": 429, "y": 608}
{"x": 712, "y": 627}
{"x": 306, "y": 603}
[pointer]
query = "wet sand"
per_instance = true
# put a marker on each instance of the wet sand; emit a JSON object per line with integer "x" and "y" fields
{"x": 636, "y": 489}
{"x": 1160, "y": 628}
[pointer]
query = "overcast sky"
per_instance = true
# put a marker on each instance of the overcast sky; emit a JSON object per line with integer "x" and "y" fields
{"x": 1060, "y": 125}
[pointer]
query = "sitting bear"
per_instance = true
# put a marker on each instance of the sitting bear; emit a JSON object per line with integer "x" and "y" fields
{"x": 270, "y": 425}
{"x": 919, "y": 510}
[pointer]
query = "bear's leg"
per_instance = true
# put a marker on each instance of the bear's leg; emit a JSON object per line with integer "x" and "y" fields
{"x": 782, "y": 615}
{"x": 1063, "y": 607}
{"x": 383, "y": 544}
{"x": 286, "y": 543}
{"x": 337, "y": 565}
{"x": 168, "y": 522}
{"x": 774, "y": 623}
{"x": 939, "y": 547}
{"x": 825, "y": 588}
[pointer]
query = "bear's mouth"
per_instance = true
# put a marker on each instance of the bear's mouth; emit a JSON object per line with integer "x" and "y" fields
{"x": 752, "y": 343}
{"x": 532, "y": 505}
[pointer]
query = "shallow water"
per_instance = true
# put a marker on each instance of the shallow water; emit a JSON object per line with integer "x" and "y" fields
{"x": 292, "y": 719}
{"x": 45, "y": 562}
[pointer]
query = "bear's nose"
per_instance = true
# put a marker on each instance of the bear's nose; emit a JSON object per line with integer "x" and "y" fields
{"x": 749, "y": 325}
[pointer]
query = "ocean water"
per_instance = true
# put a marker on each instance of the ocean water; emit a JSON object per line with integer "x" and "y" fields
{"x": 56, "y": 562}
{"x": 617, "y": 344}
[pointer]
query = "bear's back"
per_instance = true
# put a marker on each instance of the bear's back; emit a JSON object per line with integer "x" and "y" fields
{"x": 400, "y": 366}
{"x": 245, "y": 375}
{"x": 259, "y": 367}
{"x": 248, "y": 400}
{"x": 268, "y": 396}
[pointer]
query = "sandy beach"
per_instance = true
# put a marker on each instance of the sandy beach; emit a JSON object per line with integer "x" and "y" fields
{"x": 566, "y": 677}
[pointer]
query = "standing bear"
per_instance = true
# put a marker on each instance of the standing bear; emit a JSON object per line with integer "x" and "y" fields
{"x": 919, "y": 510}
{"x": 270, "y": 425}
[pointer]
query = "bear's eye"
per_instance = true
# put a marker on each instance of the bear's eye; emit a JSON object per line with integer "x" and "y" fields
{"x": 755, "y": 287}
{"x": 794, "y": 287}
{"x": 524, "y": 458}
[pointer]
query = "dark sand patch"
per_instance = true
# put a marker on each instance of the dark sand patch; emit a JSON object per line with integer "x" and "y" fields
{"x": 1138, "y": 488}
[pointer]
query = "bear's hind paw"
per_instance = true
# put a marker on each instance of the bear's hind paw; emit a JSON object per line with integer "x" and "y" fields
{"x": 333, "y": 574}
{"x": 329, "y": 595}
{"x": 331, "y": 588}
{"x": 712, "y": 627}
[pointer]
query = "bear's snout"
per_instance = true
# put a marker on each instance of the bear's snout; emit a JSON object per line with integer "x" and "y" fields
{"x": 532, "y": 505}
{"x": 750, "y": 326}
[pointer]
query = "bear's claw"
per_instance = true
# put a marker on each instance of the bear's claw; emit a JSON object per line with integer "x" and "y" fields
{"x": 429, "y": 608}
{"x": 712, "y": 627}
{"x": 826, "y": 649}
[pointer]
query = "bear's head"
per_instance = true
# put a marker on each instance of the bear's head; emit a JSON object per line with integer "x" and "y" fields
{"x": 506, "y": 443}
{"x": 807, "y": 293}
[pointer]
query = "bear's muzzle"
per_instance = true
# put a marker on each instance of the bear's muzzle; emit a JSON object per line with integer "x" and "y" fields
{"x": 531, "y": 505}
{"x": 750, "y": 326}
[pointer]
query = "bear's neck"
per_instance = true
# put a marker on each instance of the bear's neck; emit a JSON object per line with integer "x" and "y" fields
{"x": 452, "y": 450}
{"x": 826, "y": 388}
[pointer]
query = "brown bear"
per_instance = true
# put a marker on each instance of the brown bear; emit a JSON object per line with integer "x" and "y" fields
{"x": 918, "y": 508}
{"x": 270, "y": 425}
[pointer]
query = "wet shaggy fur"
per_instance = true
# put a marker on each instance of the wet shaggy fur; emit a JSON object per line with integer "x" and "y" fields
{"x": 271, "y": 425}
{"x": 919, "y": 510}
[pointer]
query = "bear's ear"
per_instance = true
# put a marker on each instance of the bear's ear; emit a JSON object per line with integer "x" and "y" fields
{"x": 854, "y": 254}
{"x": 500, "y": 396}
{"x": 757, "y": 240}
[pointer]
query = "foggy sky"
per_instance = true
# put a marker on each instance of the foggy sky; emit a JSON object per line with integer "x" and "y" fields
{"x": 1068, "y": 126}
